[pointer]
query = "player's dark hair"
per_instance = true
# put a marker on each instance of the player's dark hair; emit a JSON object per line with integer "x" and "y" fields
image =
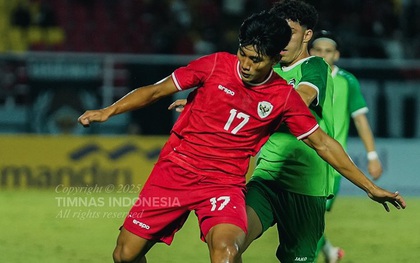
{"x": 326, "y": 34}
{"x": 267, "y": 33}
{"x": 297, "y": 11}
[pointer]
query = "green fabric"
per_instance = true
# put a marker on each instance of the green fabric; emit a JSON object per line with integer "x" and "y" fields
{"x": 348, "y": 100}
{"x": 300, "y": 219}
{"x": 289, "y": 162}
{"x": 337, "y": 183}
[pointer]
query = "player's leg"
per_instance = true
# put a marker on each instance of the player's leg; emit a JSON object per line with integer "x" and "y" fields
{"x": 331, "y": 253}
{"x": 223, "y": 241}
{"x": 131, "y": 248}
{"x": 222, "y": 218}
{"x": 255, "y": 228}
{"x": 258, "y": 210}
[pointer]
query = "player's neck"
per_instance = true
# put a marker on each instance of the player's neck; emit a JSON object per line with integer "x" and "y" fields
{"x": 262, "y": 81}
{"x": 302, "y": 55}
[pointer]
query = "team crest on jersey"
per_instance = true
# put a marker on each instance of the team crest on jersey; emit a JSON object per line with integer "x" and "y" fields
{"x": 264, "y": 109}
{"x": 292, "y": 82}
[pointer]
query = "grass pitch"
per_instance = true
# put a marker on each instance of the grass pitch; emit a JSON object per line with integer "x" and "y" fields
{"x": 50, "y": 226}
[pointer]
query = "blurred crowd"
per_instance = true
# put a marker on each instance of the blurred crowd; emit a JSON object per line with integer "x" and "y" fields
{"x": 369, "y": 28}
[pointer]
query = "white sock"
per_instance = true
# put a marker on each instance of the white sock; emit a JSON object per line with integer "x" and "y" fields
{"x": 327, "y": 247}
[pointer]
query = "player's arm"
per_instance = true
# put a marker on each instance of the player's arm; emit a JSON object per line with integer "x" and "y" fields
{"x": 333, "y": 153}
{"x": 365, "y": 133}
{"x": 307, "y": 93}
{"x": 136, "y": 99}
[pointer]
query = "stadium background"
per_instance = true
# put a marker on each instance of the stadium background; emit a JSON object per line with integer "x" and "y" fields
{"x": 60, "y": 57}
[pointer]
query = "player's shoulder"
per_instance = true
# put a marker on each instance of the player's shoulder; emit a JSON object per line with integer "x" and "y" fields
{"x": 223, "y": 55}
{"x": 217, "y": 56}
{"x": 345, "y": 74}
{"x": 315, "y": 62}
{"x": 218, "y": 59}
{"x": 225, "y": 58}
{"x": 304, "y": 64}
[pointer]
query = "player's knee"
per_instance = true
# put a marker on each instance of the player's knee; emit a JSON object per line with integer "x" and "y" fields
{"x": 225, "y": 242}
{"x": 225, "y": 252}
{"x": 122, "y": 254}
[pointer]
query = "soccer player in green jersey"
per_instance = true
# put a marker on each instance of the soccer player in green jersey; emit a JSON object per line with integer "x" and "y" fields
{"x": 349, "y": 103}
{"x": 291, "y": 183}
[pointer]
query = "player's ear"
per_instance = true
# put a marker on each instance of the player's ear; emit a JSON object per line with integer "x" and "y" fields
{"x": 308, "y": 35}
{"x": 336, "y": 55}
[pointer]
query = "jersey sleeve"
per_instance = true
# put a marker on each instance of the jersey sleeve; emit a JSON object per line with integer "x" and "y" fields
{"x": 298, "y": 118}
{"x": 315, "y": 74}
{"x": 195, "y": 73}
{"x": 357, "y": 103}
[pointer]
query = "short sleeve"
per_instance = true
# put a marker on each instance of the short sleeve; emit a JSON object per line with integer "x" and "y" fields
{"x": 195, "y": 73}
{"x": 357, "y": 103}
{"x": 315, "y": 73}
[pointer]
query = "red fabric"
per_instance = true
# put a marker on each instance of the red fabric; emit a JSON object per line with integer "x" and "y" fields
{"x": 169, "y": 195}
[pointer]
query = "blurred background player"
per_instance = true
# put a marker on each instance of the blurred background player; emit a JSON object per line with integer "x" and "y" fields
{"x": 349, "y": 103}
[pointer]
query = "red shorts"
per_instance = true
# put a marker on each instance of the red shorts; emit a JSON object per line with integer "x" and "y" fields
{"x": 169, "y": 195}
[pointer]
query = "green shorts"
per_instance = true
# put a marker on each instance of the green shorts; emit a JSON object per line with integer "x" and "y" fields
{"x": 300, "y": 218}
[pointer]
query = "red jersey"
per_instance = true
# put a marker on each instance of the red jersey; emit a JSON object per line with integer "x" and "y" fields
{"x": 226, "y": 121}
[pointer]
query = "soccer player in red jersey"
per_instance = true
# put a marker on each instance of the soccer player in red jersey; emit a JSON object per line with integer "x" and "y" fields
{"x": 238, "y": 103}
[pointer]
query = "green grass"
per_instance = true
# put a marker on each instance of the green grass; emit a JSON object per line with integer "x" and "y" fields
{"x": 34, "y": 228}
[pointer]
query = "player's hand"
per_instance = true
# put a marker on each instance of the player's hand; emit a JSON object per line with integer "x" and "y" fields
{"x": 375, "y": 168}
{"x": 92, "y": 116}
{"x": 178, "y": 105}
{"x": 384, "y": 197}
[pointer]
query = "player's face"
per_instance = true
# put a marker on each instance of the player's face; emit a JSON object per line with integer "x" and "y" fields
{"x": 326, "y": 49}
{"x": 254, "y": 68}
{"x": 296, "y": 49}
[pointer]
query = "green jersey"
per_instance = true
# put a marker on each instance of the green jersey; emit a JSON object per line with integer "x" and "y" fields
{"x": 348, "y": 102}
{"x": 289, "y": 162}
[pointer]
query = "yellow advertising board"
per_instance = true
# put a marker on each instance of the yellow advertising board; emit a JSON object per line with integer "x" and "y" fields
{"x": 62, "y": 161}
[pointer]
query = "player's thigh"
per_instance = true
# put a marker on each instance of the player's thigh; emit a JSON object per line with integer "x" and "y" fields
{"x": 254, "y": 228}
{"x": 259, "y": 200}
